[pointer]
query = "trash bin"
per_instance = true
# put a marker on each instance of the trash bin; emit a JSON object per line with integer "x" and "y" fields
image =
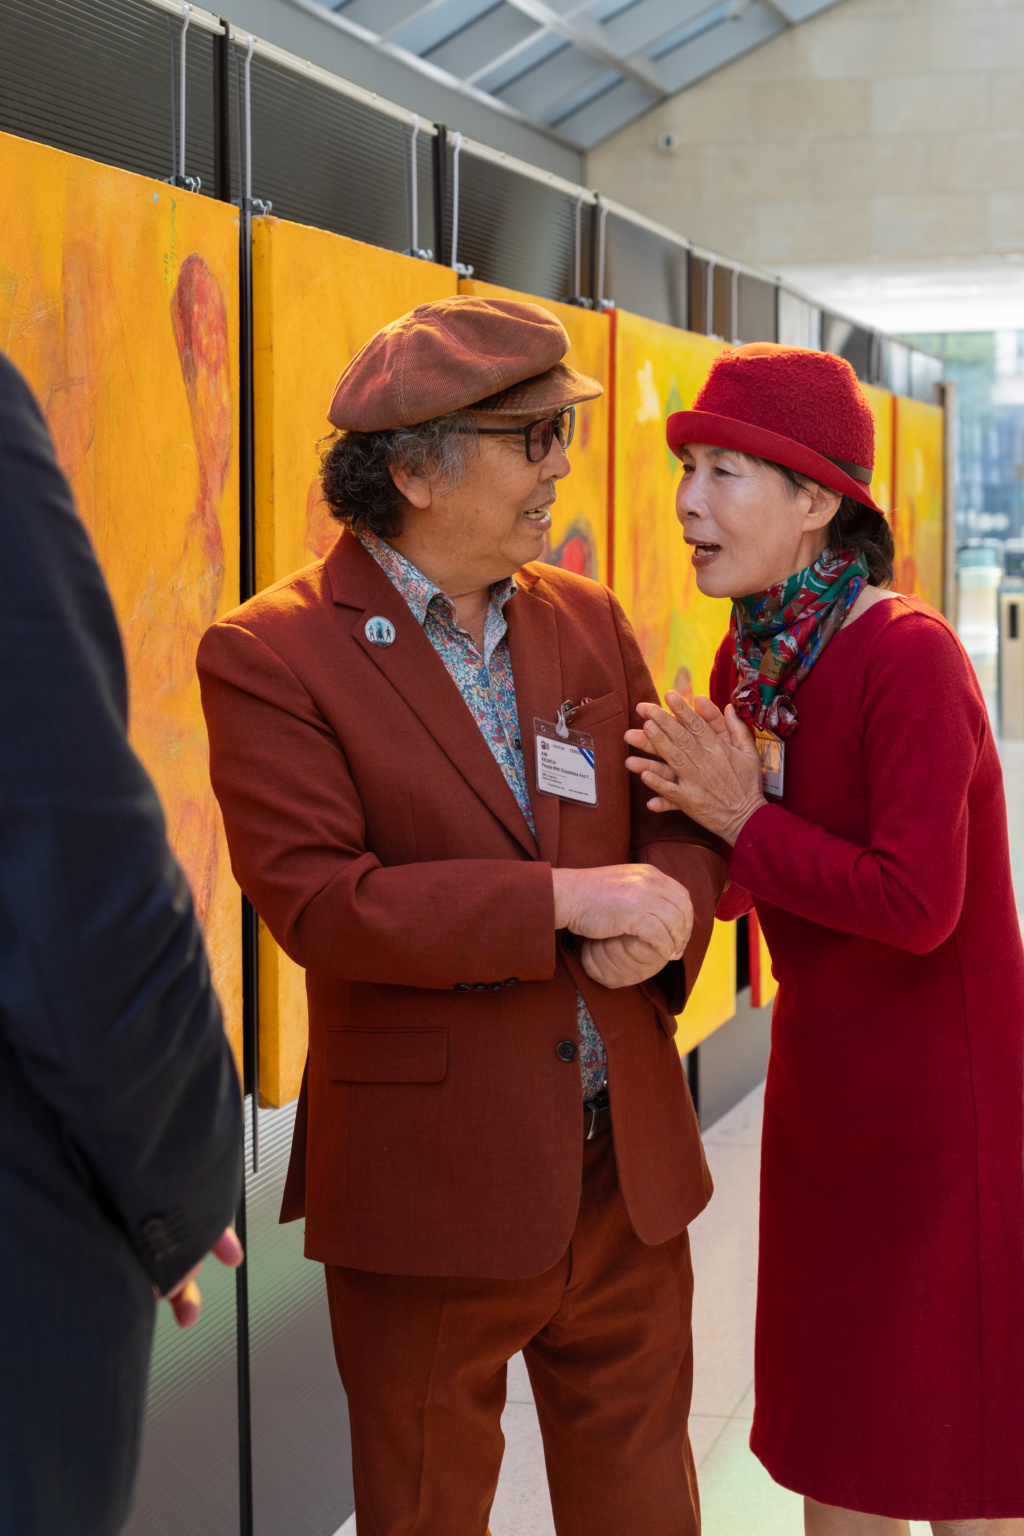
{"x": 1011, "y": 661}
{"x": 979, "y": 576}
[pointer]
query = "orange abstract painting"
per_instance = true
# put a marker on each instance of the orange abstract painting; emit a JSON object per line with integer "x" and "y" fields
{"x": 119, "y": 303}
{"x": 659, "y": 370}
{"x": 317, "y": 298}
{"x": 579, "y": 533}
{"x": 882, "y": 407}
{"x": 918, "y": 501}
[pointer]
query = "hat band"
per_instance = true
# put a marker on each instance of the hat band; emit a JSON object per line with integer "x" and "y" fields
{"x": 855, "y": 471}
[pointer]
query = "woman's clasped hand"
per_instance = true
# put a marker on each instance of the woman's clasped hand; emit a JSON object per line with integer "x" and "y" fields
{"x": 705, "y": 763}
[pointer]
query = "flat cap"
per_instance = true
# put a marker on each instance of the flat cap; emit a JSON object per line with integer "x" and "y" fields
{"x": 497, "y": 354}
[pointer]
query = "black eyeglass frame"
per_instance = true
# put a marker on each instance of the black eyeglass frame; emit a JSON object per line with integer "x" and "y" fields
{"x": 527, "y": 433}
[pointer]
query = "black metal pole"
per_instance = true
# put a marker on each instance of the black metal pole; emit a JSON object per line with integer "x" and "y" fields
{"x": 221, "y": 116}
{"x": 250, "y": 924}
{"x": 441, "y": 195}
{"x": 245, "y": 1509}
{"x": 693, "y": 1077}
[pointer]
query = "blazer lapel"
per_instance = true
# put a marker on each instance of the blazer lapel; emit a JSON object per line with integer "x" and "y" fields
{"x": 415, "y": 670}
{"x": 536, "y": 667}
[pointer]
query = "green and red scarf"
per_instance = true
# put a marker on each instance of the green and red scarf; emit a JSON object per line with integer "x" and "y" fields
{"x": 779, "y": 635}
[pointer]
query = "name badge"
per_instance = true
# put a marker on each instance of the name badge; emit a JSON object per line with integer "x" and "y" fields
{"x": 772, "y": 752}
{"x": 565, "y": 762}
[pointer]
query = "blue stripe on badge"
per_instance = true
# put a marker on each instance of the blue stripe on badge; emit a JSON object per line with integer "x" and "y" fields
{"x": 588, "y": 756}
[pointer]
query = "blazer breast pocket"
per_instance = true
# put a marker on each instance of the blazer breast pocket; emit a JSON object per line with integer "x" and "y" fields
{"x": 387, "y": 1055}
{"x": 595, "y": 712}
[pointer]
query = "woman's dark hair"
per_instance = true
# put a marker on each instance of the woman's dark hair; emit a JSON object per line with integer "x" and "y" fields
{"x": 355, "y": 468}
{"x": 854, "y": 526}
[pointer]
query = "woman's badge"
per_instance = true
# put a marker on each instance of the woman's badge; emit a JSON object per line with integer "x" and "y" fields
{"x": 772, "y": 752}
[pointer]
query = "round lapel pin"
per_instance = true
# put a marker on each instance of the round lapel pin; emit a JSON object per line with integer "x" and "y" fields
{"x": 380, "y": 631}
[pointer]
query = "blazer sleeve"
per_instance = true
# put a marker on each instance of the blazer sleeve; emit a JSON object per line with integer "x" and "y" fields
{"x": 670, "y": 841}
{"x": 297, "y": 836}
{"x": 105, "y": 994}
{"x": 922, "y": 722}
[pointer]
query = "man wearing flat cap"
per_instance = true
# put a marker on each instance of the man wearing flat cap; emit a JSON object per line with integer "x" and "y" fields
{"x": 417, "y": 743}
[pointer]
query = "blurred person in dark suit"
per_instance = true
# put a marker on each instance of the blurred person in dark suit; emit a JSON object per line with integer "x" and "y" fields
{"x": 120, "y": 1111}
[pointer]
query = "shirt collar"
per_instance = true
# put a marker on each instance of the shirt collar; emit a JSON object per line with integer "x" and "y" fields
{"x": 418, "y": 590}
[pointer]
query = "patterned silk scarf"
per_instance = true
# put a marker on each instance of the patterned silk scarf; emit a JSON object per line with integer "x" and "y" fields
{"x": 779, "y": 635}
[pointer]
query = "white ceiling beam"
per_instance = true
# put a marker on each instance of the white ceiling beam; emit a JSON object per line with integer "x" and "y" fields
{"x": 589, "y": 37}
{"x": 650, "y": 21}
{"x": 714, "y": 49}
{"x": 423, "y": 67}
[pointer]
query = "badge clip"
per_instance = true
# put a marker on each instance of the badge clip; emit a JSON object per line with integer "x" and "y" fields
{"x": 566, "y": 766}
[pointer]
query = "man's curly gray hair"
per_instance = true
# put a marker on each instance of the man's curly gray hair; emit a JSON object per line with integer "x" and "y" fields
{"x": 356, "y": 468}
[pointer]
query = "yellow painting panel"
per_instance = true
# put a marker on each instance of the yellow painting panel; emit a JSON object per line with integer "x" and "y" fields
{"x": 918, "y": 513}
{"x": 119, "y": 303}
{"x": 881, "y": 403}
{"x": 713, "y": 999}
{"x": 769, "y": 986}
{"x": 579, "y": 534}
{"x": 317, "y": 298}
{"x": 658, "y": 370}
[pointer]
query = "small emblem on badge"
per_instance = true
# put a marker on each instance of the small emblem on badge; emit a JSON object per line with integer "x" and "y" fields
{"x": 380, "y": 631}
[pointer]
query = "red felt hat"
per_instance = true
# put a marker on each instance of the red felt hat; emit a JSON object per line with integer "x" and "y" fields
{"x": 794, "y": 406}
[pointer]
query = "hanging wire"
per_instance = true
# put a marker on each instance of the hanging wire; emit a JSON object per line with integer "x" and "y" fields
{"x": 186, "y": 16}
{"x": 247, "y": 69}
{"x": 178, "y": 177}
{"x": 414, "y": 189}
{"x": 238, "y": 122}
{"x": 600, "y": 302}
{"x": 174, "y": 99}
{"x": 243, "y": 103}
{"x": 457, "y": 266}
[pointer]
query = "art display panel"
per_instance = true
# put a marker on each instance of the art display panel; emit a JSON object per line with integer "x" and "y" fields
{"x": 119, "y": 303}
{"x": 579, "y": 533}
{"x": 882, "y": 409}
{"x": 658, "y": 370}
{"x": 918, "y": 502}
{"x": 317, "y": 299}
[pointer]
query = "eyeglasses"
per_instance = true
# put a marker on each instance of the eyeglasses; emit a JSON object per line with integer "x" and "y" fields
{"x": 539, "y": 435}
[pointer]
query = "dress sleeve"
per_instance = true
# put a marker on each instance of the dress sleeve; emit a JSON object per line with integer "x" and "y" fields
{"x": 921, "y": 703}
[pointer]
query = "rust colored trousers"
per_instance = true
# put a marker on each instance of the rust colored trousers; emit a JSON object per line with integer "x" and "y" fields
{"x": 607, "y": 1341}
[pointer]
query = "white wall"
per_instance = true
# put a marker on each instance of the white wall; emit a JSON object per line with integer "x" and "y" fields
{"x": 880, "y": 131}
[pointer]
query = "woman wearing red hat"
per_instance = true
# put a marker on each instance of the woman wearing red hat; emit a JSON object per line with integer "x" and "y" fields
{"x": 855, "y": 777}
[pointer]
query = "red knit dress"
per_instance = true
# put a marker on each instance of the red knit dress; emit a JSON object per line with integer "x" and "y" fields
{"x": 890, "y": 1311}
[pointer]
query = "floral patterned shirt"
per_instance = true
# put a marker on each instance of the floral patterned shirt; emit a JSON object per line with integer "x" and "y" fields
{"x": 486, "y": 683}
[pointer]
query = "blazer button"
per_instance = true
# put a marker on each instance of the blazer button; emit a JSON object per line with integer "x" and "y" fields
{"x": 463, "y": 986}
{"x": 496, "y": 986}
{"x": 479, "y": 986}
{"x": 512, "y": 981}
{"x": 566, "y": 1050}
{"x": 569, "y": 943}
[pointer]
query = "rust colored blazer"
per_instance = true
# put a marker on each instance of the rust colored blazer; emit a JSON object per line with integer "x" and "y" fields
{"x": 375, "y": 834}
